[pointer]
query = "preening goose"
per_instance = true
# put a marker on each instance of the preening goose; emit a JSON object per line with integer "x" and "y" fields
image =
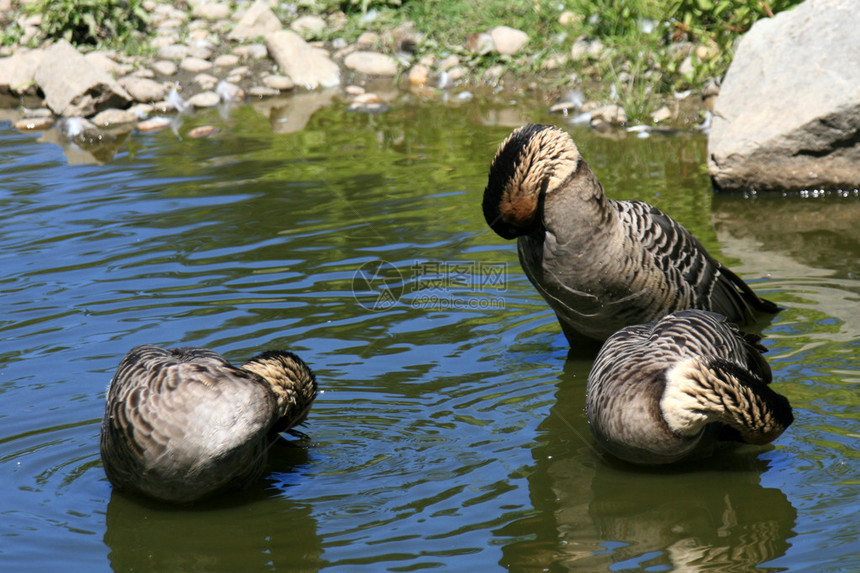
{"x": 182, "y": 424}
{"x": 675, "y": 387}
{"x": 600, "y": 264}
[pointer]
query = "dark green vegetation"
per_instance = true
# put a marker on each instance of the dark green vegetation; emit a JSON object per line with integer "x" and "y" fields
{"x": 112, "y": 23}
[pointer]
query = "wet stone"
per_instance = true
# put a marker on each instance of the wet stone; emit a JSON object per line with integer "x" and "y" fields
{"x": 262, "y": 91}
{"x": 165, "y": 67}
{"x": 281, "y": 83}
{"x": 110, "y": 117}
{"x": 204, "y": 99}
{"x": 194, "y": 65}
{"x": 34, "y": 123}
{"x": 154, "y": 124}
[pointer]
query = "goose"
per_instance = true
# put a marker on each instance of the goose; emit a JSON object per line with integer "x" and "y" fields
{"x": 182, "y": 424}
{"x": 676, "y": 387}
{"x": 601, "y": 264}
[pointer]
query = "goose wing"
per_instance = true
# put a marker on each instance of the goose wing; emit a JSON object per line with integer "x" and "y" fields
{"x": 688, "y": 264}
{"x": 751, "y": 407}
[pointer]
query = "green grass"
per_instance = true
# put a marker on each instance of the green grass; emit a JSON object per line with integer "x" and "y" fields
{"x": 645, "y": 41}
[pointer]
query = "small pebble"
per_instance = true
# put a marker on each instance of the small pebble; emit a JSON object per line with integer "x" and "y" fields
{"x": 202, "y": 131}
{"x": 367, "y": 98}
{"x": 34, "y": 123}
{"x": 226, "y": 60}
{"x": 110, "y": 117}
{"x": 165, "y": 67}
{"x": 206, "y": 81}
{"x": 419, "y": 75}
{"x": 195, "y": 65}
{"x": 262, "y": 91}
{"x": 204, "y": 99}
{"x": 281, "y": 83}
{"x": 153, "y": 124}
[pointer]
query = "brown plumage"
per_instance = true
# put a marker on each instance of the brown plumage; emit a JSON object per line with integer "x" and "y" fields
{"x": 676, "y": 387}
{"x": 182, "y": 424}
{"x": 600, "y": 264}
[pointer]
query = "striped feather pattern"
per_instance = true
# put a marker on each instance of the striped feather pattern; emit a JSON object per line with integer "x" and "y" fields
{"x": 675, "y": 387}
{"x": 600, "y": 264}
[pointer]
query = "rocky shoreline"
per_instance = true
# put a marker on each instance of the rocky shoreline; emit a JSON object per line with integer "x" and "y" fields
{"x": 206, "y": 54}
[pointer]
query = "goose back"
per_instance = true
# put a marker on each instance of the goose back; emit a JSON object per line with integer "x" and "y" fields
{"x": 184, "y": 423}
{"x": 672, "y": 388}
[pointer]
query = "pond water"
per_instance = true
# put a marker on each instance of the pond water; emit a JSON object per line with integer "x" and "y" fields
{"x": 450, "y": 432}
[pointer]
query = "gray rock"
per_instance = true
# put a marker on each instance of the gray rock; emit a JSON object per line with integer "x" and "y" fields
{"x": 508, "y": 41}
{"x": 788, "y": 113}
{"x": 306, "y": 65}
{"x": 111, "y": 117}
{"x": 143, "y": 90}
{"x": 17, "y": 72}
{"x": 257, "y": 22}
{"x": 371, "y": 63}
{"x": 73, "y": 86}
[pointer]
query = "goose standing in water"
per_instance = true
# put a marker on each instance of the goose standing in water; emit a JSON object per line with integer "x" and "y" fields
{"x": 600, "y": 264}
{"x": 675, "y": 387}
{"x": 182, "y": 424}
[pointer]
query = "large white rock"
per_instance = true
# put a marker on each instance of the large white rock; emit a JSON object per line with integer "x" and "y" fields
{"x": 307, "y": 66}
{"x": 788, "y": 113}
{"x": 75, "y": 87}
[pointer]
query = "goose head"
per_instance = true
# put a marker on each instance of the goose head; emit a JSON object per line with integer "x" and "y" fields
{"x": 530, "y": 165}
{"x": 292, "y": 381}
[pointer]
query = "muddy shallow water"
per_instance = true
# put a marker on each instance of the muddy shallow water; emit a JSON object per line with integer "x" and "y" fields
{"x": 450, "y": 431}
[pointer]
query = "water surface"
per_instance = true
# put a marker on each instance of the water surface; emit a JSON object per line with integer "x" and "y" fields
{"x": 451, "y": 430}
